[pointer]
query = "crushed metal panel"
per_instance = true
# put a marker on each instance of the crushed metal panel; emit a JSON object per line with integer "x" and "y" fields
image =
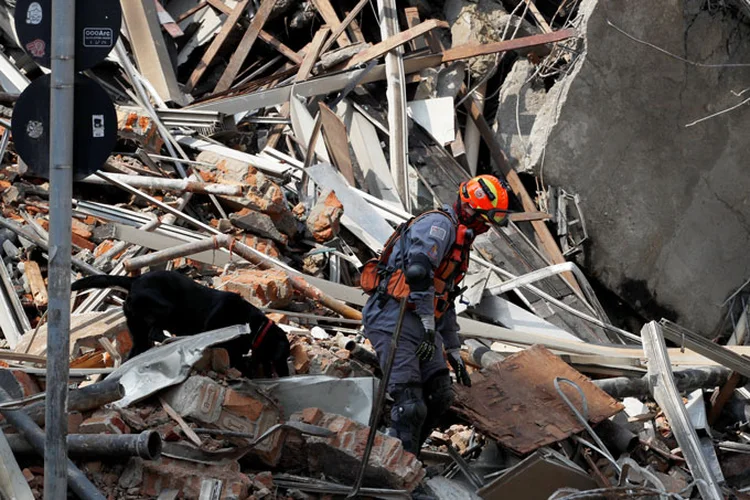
{"x": 303, "y": 124}
{"x": 436, "y": 116}
{"x": 705, "y": 347}
{"x": 169, "y": 364}
{"x": 350, "y": 397}
{"x": 515, "y": 401}
{"x": 516, "y": 318}
{"x": 665, "y": 393}
{"x": 359, "y": 217}
{"x": 370, "y": 157}
{"x": 150, "y": 49}
{"x": 11, "y": 78}
{"x": 537, "y": 478}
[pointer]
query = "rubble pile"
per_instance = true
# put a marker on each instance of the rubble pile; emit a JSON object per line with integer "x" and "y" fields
{"x": 258, "y": 153}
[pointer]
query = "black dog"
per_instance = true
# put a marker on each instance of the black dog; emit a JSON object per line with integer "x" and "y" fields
{"x": 167, "y": 300}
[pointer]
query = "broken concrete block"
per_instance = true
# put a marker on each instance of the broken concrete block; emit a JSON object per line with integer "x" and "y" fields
{"x": 104, "y": 422}
{"x": 262, "y": 194}
{"x": 266, "y": 288}
{"x": 258, "y": 223}
{"x": 263, "y": 245}
{"x": 166, "y": 473}
{"x": 198, "y": 398}
{"x": 339, "y": 456}
{"x": 135, "y": 125}
{"x": 324, "y": 219}
{"x": 103, "y": 232}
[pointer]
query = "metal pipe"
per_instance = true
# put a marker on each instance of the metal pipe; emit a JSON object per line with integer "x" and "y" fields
{"x": 146, "y": 445}
{"x": 173, "y": 185}
{"x": 686, "y": 381}
{"x": 62, "y": 52}
{"x": 87, "y": 398}
{"x": 617, "y": 438}
{"x": 41, "y": 243}
{"x": 77, "y": 480}
{"x": 481, "y": 354}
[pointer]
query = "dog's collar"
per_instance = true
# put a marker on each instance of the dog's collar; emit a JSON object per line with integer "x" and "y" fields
{"x": 262, "y": 334}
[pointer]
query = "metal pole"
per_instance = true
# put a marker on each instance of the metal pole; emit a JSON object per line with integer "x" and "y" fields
{"x": 61, "y": 195}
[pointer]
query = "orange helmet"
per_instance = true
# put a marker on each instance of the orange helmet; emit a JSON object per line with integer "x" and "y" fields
{"x": 485, "y": 195}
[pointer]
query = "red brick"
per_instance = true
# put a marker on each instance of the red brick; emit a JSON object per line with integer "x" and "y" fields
{"x": 324, "y": 219}
{"x": 312, "y": 415}
{"x": 242, "y": 405}
{"x": 219, "y": 360}
{"x": 26, "y": 382}
{"x": 339, "y": 456}
{"x": 28, "y": 475}
{"x": 75, "y": 419}
{"x": 187, "y": 477}
{"x": 266, "y": 288}
{"x": 105, "y": 422}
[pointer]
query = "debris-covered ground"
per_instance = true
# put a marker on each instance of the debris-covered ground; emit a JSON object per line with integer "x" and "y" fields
{"x": 261, "y": 144}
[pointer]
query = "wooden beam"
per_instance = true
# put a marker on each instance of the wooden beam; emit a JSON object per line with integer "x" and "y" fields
{"x": 337, "y": 142}
{"x": 36, "y": 283}
{"x": 246, "y": 44}
{"x": 412, "y": 20}
{"x": 220, "y": 5}
{"x": 311, "y": 57}
{"x": 468, "y": 50}
{"x": 169, "y": 24}
{"x": 397, "y": 40}
{"x": 312, "y": 52}
{"x": 356, "y": 32}
{"x": 349, "y": 19}
{"x": 327, "y": 12}
{"x": 280, "y": 47}
{"x": 544, "y": 236}
{"x": 540, "y": 20}
{"x": 720, "y": 397}
{"x": 216, "y": 44}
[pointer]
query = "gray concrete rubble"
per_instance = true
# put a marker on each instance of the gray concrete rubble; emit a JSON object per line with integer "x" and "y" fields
{"x": 269, "y": 150}
{"x": 664, "y": 200}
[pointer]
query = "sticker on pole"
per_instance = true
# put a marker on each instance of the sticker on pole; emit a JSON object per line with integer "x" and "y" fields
{"x": 97, "y": 30}
{"x": 94, "y": 126}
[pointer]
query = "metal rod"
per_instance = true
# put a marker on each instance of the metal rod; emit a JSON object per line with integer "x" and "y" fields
{"x": 146, "y": 445}
{"x": 79, "y": 483}
{"x": 41, "y": 243}
{"x": 13, "y": 484}
{"x": 377, "y": 408}
{"x": 173, "y": 185}
{"x": 56, "y": 463}
{"x": 251, "y": 255}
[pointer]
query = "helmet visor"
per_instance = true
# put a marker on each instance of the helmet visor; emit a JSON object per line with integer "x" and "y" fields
{"x": 493, "y": 216}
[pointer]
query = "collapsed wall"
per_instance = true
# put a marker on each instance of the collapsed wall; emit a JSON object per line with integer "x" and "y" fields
{"x": 666, "y": 205}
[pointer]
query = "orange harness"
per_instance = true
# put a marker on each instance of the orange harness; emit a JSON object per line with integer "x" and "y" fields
{"x": 389, "y": 281}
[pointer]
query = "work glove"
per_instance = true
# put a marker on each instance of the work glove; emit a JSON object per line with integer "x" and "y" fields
{"x": 459, "y": 367}
{"x": 426, "y": 349}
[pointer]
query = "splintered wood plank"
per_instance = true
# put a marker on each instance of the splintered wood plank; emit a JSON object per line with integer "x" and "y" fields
{"x": 280, "y": 47}
{"x": 348, "y": 20}
{"x": 412, "y": 20}
{"x": 202, "y": 5}
{"x": 220, "y": 5}
{"x": 216, "y": 44}
{"x": 326, "y": 11}
{"x": 515, "y": 401}
{"x": 36, "y": 283}
{"x": 468, "y": 50}
{"x": 337, "y": 142}
{"x": 391, "y": 43}
{"x": 312, "y": 52}
{"x": 167, "y": 22}
{"x": 544, "y": 236}
{"x": 246, "y": 44}
{"x": 356, "y": 31}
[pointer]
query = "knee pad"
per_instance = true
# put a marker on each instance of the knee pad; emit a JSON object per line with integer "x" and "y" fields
{"x": 407, "y": 416}
{"x": 439, "y": 396}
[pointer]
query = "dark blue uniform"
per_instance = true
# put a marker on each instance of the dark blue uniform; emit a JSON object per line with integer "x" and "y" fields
{"x": 421, "y": 389}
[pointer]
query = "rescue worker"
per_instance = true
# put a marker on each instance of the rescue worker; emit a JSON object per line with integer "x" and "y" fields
{"x": 426, "y": 259}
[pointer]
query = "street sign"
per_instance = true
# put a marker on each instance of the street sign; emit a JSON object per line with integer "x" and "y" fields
{"x": 94, "y": 131}
{"x": 97, "y": 30}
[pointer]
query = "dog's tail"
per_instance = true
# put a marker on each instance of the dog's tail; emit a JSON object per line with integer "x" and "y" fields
{"x": 102, "y": 281}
